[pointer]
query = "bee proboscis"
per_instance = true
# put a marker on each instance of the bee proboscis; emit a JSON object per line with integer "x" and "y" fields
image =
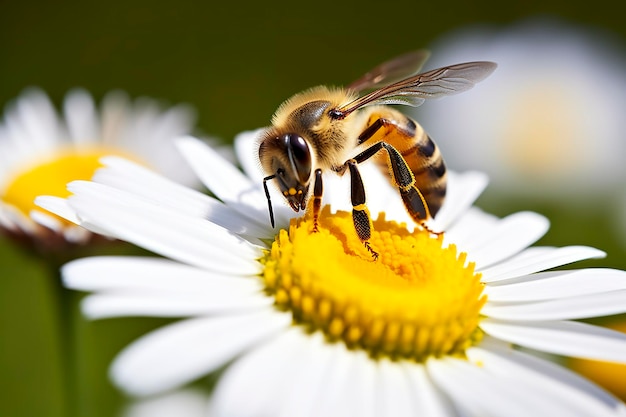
{"x": 326, "y": 129}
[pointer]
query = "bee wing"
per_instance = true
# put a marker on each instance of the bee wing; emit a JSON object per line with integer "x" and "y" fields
{"x": 388, "y": 72}
{"x": 414, "y": 90}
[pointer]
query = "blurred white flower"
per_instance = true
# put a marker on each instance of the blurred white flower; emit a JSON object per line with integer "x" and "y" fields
{"x": 550, "y": 119}
{"x": 40, "y": 151}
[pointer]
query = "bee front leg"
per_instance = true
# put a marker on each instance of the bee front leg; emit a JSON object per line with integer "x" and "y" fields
{"x": 316, "y": 205}
{"x": 360, "y": 213}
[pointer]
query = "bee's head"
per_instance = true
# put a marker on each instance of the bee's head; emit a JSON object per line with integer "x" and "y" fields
{"x": 287, "y": 158}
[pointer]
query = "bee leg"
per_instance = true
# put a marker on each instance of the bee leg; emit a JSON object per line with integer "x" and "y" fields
{"x": 318, "y": 189}
{"x": 360, "y": 213}
{"x": 404, "y": 179}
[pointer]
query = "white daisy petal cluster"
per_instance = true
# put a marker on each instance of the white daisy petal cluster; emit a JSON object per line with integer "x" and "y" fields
{"x": 209, "y": 277}
{"x": 33, "y": 133}
{"x": 549, "y": 121}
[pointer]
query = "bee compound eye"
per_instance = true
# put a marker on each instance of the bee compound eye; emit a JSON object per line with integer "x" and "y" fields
{"x": 299, "y": 155}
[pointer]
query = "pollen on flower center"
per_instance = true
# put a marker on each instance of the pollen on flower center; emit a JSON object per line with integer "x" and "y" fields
{"x": 416, "y": 300}
{"x": 50, "y": 177}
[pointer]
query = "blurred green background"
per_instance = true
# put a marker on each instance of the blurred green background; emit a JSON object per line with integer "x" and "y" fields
{"x": 235, "y": 63}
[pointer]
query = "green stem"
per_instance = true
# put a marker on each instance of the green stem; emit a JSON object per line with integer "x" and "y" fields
{"x": 64, "y": 306}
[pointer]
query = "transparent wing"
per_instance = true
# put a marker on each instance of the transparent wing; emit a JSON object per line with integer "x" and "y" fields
{"x": 391, "y": 71}
{"x": 414, "y": 90}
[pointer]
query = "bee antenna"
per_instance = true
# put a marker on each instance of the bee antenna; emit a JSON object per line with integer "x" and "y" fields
{"x": 267, "y": 194}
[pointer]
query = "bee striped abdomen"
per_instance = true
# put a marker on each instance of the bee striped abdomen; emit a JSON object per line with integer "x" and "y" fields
{"x": 418, "y": 150}
{"x": 429, "y": 169}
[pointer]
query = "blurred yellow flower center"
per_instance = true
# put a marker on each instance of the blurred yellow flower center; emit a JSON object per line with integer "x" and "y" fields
{"x": 50, "y": 177}
{"x": 418, "y": 299}
{"x": 542, "y": 134}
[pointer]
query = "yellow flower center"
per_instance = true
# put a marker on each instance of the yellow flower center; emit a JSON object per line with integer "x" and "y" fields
{"x": 418, "y": 299}
{"x": 50, "y": 177}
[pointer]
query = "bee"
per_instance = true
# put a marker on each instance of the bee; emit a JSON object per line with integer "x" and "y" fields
{"x": 336, "y": 129}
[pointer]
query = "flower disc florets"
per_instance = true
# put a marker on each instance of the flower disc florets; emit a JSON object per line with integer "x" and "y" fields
{"x": 417, "y": 299}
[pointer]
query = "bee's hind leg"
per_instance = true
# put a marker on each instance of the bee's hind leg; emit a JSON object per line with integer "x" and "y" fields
{"x": 403, "y": 179}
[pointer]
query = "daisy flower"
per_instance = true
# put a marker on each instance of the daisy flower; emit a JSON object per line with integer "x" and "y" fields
{"x": 558, "y": 97}
{"x": 306, "y": 323}
{"x": 40, "y": 151}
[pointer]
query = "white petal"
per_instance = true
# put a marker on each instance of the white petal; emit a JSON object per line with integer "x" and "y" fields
{"x": 17, "y": 144}
{"x": 173, "y": 122}
{"x": 509, "y": 236}
{"x": 428, "y": 399}
{"x": 472, "y": 223}
{"x": 163, "y": 230}
{"x": 58, "y": 206}
{"x": 179, "y": 353}
{"x": 102, "y": 306}
{"x": 8, "y": 157}
{"x": 39, "y": 120}
{"x": 262, "y": 377}
{"x": 138, "y": 129}
{"x": 128, "y": 176}
{"x": 115, "y": 112}
{"x": 223, "y": 179}
{"x": 158, "y": 287}
{"x": 555, "y": 381}
{"x": 486, "y": 393}
{"x": 77, "y": 234}
{"x": 339, "y": 378}
{"x": 15, "y": 220}
{"x": 360, "y": 395}
{"x": 350, "y": 388}
{"x": 7, "y": 218}
{"x": 463, "y": 190}
{"x": 180, "y": 403}
{"x": 313, "y": 364}
{"x": 396, "y": 396}
{"x": 162, "y": 125}
{"x": 154, "y": 139}
{"x": 247, "y": 150}
{"x": 62, "y": 208}
{"x": 538, "y": 259}
{"x": 586, "y": 306}
{"x": 558, "y": 284}
{"x": 47, "y": 220}
{"x": 150, "y": 275}
{"x": 81, "y": 118}
{"x": 472, "y": 390}
{"x": 562, "y": 337}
